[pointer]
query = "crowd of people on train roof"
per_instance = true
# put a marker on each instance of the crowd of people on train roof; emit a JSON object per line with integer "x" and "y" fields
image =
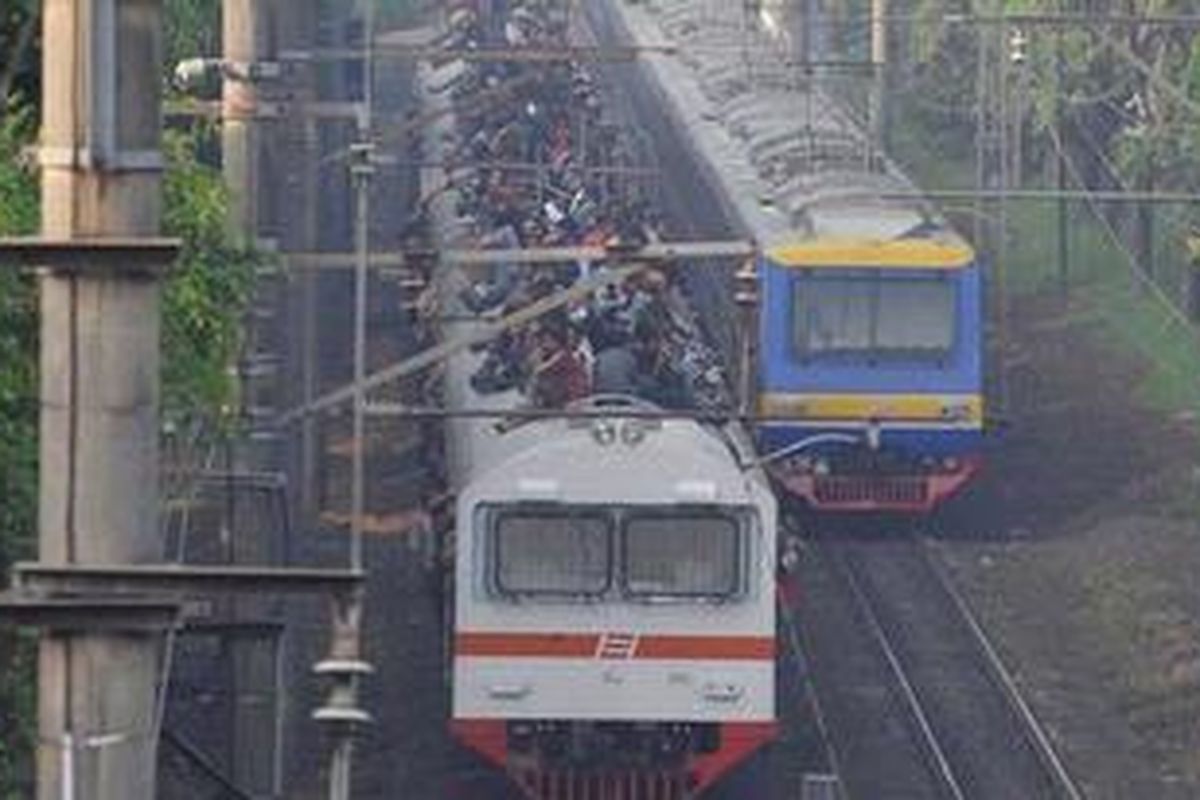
{"x": 632, "y": 337}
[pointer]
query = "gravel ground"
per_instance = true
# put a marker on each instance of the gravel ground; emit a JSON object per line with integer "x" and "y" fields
{"x": 1080, "y": 550}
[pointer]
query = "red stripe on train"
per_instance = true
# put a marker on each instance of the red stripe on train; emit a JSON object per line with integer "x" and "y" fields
{"x": 613, "y": 646}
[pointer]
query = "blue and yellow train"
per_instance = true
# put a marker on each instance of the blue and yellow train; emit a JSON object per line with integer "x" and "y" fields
{"x": 870, "y": 372}
{"x": 869, "y": 366}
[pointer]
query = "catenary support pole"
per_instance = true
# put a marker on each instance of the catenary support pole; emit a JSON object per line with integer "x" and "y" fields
{"x": 879, "y": 79}
{"x": 246, "y": 41}
{"x": 99, "y": 464}
{"x": 244, "y": 38}
{"x": 1060, "y": 167}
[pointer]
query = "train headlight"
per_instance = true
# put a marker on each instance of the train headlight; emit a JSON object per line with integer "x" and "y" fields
{"x": 604, "y": 432}
{"x": 633, "y": 432}
{"x": 821, "y": 467}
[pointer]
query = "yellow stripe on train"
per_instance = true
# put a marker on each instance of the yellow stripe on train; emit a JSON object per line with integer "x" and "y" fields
{"x": 956, "y": 408}
{"x": 947, "y": 252}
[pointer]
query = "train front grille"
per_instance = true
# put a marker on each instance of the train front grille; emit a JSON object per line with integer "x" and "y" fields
{"x": 883, "y": 491}
{"x": 583, "y": 785}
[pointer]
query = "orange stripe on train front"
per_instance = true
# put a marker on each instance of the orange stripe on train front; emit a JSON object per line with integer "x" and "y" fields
{"x": 586, "y": 645}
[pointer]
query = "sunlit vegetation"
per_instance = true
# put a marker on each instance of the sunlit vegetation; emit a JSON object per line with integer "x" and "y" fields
{"x": 1121, "y": 101}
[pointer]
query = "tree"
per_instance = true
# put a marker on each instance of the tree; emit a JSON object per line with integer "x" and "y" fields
{"x": 18, "y": 437}
{"x": 209, "y": 288}
{"x": 193, "y": 29}
{"x": 18, "y": 52}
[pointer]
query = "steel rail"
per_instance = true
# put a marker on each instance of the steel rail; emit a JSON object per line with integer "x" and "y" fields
{"x": 940, "y": 763}
{"x": 1034, "y": 731}
{"x": 797, "y": 647}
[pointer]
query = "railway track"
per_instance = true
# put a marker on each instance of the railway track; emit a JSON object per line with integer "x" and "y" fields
{"x": 919, "y": 702}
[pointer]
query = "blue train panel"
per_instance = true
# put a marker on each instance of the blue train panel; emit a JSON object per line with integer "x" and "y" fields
{"x": 870, "y": 371}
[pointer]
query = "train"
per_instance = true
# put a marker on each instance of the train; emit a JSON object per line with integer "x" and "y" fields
{"x": 613, "y": 608}
{"x": 615, "y": 581}
{"x": 869, "y": 375}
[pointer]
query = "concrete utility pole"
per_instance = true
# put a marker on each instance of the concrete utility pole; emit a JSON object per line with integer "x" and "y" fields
{"x": 253, "y": 744}
{"x": 245, "y": 42}
{"x": 1060, "y": 167}
{"x": 101, "y": 179}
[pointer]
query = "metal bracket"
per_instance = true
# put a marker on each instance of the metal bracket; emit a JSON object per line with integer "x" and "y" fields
{"x": 147, "y": 257}
{"x": 187, "y": 580}
{"x": 91, "y": 613}
{"x": 251, "y": 71}
{"x": 147, "y": 597}
{"x": 669, "y": 254}
{"x": 218, "y": 109}
{"x": 82, "y": 158}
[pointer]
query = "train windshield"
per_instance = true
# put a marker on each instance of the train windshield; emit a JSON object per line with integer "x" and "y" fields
{"x": 681, "y": 555}
{"x": 564, "y": 552}
{"x": 874, "y": 315}
{"x": 643, "y": 552}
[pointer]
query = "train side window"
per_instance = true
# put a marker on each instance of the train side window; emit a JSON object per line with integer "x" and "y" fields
{"x": 563, "y": 552}
{"x": 673, "y": 554}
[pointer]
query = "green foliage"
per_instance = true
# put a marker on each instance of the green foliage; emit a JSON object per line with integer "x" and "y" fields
{"x": 1101, "y": 75}
{"x": 18, "y": 441}
{"x": 940, "y": 90}
{"x": 193, "y": 29}
{"x": 18, "y": 415}
{"x": 208, "y": 291}
{"x": 18, "y": 190}
{"x": 19, "y": 59}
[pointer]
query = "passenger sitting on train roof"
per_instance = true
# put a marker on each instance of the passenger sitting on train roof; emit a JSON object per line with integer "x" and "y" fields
{"x": 558, "y": 375}
{"x": 658, "y": 378}
{"x": 503, "y": 278}
{"x": 615, "y": 372}
{"x": 582, "y": 349}
{"x": 648, "y": 303}
{"x": 502, "y": 368}
{"x": 608, "y": 322}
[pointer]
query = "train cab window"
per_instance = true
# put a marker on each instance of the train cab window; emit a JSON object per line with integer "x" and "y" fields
{"x": 565, "y": 552}
{"x": 682, "y": 555}
{"x": 874, "y": 315}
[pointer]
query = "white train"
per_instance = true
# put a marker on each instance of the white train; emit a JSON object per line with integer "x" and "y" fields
{"x": 614, "y": 623}
{"x": 614, "y": 604}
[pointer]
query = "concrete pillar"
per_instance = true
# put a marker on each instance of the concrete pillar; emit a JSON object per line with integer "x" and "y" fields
{"x": 879, "y": 79}
{"x": 101, "y": 177}
{"x": 245, "y": 41}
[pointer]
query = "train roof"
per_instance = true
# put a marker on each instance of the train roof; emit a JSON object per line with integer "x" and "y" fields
{"x": 662, "y": 460}
{"x": 643, "y": 460}
{"x": 793, "y": 166}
